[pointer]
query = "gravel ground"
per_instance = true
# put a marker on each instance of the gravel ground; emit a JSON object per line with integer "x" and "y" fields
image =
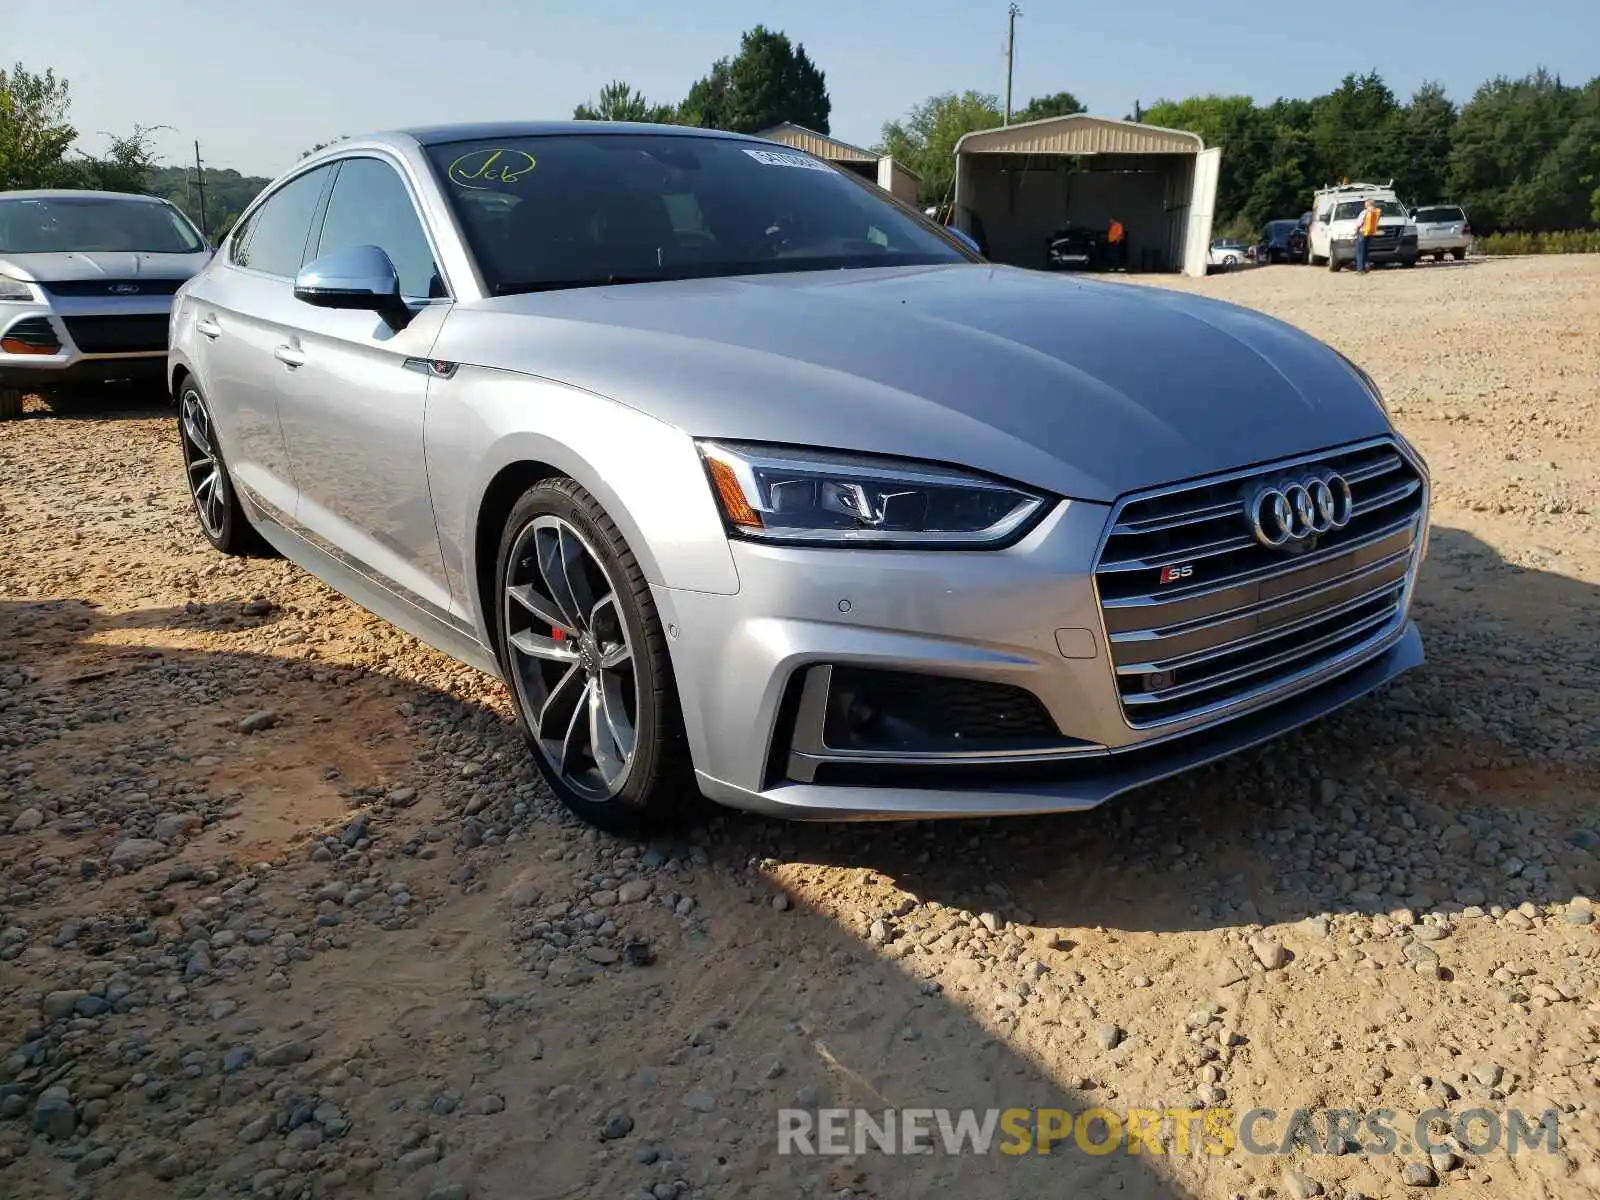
{"x": 284, "y": 912}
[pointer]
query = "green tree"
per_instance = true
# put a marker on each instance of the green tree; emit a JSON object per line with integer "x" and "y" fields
{"x": 620, "y": 102}
{"x": 35, "y": 134}
{"x": 769, "y": 81}
{"x": 1061, "y": 104}
{"x": 1243, "y": 133}
{"x": 707, "y": 105}
{"x": 1422, "y": 134}
{"x": 925, "y": 139}
{"x": 228, "y": 194}
{"x": 1507, "y": 163}
{"x": 126, "y": 165}
{"x": 1353, "y": 130}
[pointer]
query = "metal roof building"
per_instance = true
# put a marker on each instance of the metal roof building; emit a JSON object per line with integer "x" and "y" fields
{"x": 899, "y": 181}
{"x": 1018, "y": 185}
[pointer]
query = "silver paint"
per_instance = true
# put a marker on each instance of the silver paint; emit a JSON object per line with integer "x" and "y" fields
{"x": 369, "y": 465}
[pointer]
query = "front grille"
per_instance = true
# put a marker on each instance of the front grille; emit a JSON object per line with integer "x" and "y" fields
{"x": 1245, "y": 621}
{"x": 119, "y": 335}
{"x": 32, "y": 335}
{"x": 113, "y": 287}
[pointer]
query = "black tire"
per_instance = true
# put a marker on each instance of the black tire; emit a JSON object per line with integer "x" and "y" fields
{"x": 656, "y": 789}
{"x": 1438, "y": 256}
{"x": 1408, "y": 262}
{"x": 1458, "y": 255}
{"x": 10, "y": 403}
{"x": 1334, "y": 264}
{"x": 222, "y": 520}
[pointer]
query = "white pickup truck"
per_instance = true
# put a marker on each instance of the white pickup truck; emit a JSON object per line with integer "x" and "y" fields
{"x": 1337, "y": 217}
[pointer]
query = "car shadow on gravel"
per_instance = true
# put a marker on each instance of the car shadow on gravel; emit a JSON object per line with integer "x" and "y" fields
{"x": 1468, "y": 782}
{"x": 110, "y": 402}
{"x": 744, "y": 1010}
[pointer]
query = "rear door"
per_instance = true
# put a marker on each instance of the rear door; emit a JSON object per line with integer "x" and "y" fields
{"x": 354, "y": 393}
{"x": 244, "y": 309}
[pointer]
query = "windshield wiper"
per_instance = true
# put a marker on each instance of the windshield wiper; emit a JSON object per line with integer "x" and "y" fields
{"x": 515, "y": 287}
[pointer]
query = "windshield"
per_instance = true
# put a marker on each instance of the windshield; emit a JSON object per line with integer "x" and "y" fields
{"x": 565, "y": 210}
{"x": 1437, "y": 215}
{"x": 85, "y": 224}
{"x": 1351, "y": 209}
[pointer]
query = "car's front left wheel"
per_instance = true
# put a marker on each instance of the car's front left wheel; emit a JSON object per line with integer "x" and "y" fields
{"x": 583, "y": 649}
{"x": 10, "y": 403}
{"x": 222, "y": 518}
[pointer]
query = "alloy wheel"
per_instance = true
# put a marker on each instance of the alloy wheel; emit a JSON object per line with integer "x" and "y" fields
{"x": 208, "y": 482}
{"x": 572, "y": 660}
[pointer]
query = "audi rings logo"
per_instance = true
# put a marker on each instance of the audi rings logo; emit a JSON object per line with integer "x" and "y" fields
{"x": 1297, "y": 510}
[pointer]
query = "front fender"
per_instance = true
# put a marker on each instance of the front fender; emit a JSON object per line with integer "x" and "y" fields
{"x": 645, "y": 473}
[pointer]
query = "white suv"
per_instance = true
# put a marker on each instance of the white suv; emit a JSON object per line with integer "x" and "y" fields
{"x": 1443, "y": 229}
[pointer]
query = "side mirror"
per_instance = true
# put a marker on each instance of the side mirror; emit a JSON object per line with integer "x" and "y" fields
{"x": 358, "y": 277}
{"x": 964, "y": 238}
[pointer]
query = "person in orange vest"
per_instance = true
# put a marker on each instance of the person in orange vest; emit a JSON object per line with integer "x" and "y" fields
{"x": 1116, "y": 238}
{"x": 1365, "y": 232}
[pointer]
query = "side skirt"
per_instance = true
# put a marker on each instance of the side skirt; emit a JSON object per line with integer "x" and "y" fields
{"x": 438, "y": 629}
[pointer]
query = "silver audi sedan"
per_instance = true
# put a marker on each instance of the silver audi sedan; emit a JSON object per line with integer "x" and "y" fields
{"x": 754, "y": 484}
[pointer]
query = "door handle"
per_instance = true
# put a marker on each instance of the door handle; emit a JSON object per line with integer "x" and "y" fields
{"x": 208, "y": 327}
{"x": 289, "y": 356}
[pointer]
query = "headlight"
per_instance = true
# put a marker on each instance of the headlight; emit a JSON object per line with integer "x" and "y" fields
{"x": 14, "y": 289}
{"x": 778, "y": 494}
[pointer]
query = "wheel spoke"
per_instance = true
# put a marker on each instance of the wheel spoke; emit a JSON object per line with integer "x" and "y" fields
{"x": 615, "y": 656}
{"x": 547, "y": 613}
{"x": 559, "y": 695}
{"x": 554, "y": 572}
{"x": 609, "y": 756}
{"x": 577, "y": 729}
{"x": 573, "y": 560}
{"x": 536, "y": 646}
{"x": 200, "y": 464}
{"x": 615, "y": 711}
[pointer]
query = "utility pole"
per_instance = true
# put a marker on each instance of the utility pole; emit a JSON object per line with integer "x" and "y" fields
{"x": 1011, "y": 52}
{"x": 200, "y": 187}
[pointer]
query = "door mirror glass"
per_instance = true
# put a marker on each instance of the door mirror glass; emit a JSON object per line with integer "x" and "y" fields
{"x": 360, "y": 277}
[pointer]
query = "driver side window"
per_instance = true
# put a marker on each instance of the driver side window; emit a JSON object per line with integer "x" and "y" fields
{"x": 371, "y": 206}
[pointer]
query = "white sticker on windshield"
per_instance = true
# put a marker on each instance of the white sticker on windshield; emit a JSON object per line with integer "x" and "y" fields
{"x": 780, "y": 158}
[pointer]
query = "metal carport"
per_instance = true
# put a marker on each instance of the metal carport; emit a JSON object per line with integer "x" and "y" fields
{"x": 1019, "y": 184}
{"x": 898, "y": 180}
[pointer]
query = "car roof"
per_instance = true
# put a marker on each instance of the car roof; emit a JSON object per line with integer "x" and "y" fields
{"x": 431, "y": 135}
{"x": 77, "y": 194}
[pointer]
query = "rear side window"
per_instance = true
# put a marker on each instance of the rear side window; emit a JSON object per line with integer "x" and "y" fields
{"x": 370, "y": 206}
{"x": 1437, "y": 216}
{"x": 274, "y": 239}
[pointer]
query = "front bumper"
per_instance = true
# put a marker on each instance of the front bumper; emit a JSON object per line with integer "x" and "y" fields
{"x": 1403, "y": 249}
{"x": 1078, "y": 784}
{"x": 68, "y": 362}
{"x": 1029, "y": 618}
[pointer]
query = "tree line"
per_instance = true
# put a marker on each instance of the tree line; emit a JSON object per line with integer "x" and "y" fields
{"x": 1522, "y": 155}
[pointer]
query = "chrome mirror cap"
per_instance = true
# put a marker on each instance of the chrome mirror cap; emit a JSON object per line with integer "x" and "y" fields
{"x": 356, "y": 277}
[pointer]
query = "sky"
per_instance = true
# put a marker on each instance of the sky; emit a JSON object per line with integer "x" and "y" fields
{"x": 257, "y": 83}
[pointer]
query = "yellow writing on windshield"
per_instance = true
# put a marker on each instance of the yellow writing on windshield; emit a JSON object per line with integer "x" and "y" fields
{"x": 479, "y": 169}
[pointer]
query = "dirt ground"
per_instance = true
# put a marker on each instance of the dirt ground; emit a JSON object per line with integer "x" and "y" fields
{"x": 284, "y": 912}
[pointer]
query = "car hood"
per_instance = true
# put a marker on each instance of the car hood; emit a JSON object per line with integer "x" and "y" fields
{"x": 100, "y": 264}
{"x": 1084, "y": 388}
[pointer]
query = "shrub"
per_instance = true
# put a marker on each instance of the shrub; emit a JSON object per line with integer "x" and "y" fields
{"x": 1565, "y": 241}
